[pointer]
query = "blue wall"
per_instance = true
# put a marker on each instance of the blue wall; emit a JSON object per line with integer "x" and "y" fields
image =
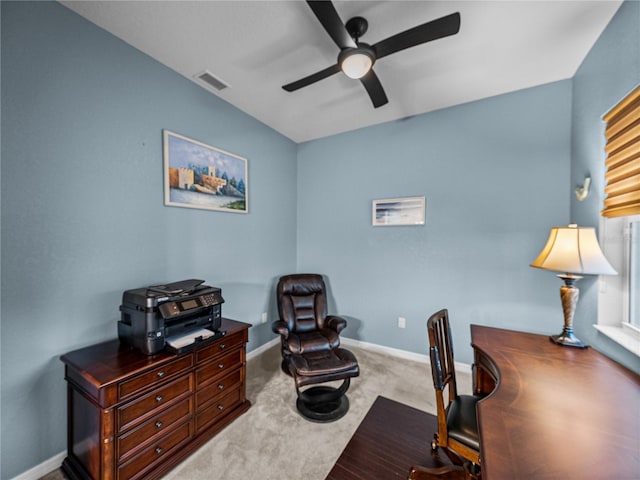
{"x": 494, "y": 174}
{"x": 82, "y": 207}
{"x": 608, "y": 73}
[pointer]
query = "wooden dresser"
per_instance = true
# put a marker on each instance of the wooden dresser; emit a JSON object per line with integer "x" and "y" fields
{"x": 133, "y": 416}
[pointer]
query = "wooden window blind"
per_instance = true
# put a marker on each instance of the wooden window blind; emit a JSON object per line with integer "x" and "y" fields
{"x": 623, "y": 157}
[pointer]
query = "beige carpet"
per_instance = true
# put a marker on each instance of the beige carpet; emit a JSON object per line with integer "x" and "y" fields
{"x": 272, "y": 441}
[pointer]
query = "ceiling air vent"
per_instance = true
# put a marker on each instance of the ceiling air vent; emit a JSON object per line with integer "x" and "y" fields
{"x": 211, "y": 81}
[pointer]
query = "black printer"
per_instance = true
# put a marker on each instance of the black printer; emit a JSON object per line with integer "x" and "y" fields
{"x": 177, "y": 316}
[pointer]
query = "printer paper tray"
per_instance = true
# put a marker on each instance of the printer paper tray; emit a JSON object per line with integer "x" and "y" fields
{"x": 186, "y": 342}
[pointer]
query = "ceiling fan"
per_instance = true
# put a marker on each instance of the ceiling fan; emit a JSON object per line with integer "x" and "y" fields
{"x": 356, "y": 58}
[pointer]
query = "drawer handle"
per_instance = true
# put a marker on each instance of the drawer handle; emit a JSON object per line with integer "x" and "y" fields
{"x": 220, "y": 366}
{"x": 159, "y": 424}
{"x": 220, "y": 407}
{"x": 160, "y": 374}
{"x": 159, "y": 398}
{"x": 158, "y": 450}
{"x": 221, "y": 387}
{"x": 222, "y": 345}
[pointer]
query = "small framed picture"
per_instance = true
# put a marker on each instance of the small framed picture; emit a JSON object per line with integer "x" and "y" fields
{"x": 197, "y": 175}
{"x": 398, "y": 211}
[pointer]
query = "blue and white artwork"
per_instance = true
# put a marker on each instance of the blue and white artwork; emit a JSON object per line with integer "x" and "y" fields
{"x": 197, "y": 175}
{"x": 399, "y": 211}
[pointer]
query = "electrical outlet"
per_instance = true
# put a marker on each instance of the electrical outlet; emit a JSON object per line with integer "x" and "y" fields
{"x": 263, "y": 317}
{"x": 402, "y": 322}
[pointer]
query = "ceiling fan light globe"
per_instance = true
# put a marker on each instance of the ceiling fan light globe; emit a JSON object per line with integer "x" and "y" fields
{"x": 356, "y": 65}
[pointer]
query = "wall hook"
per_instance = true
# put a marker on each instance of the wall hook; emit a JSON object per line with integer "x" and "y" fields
{"x": 583, "y": 191}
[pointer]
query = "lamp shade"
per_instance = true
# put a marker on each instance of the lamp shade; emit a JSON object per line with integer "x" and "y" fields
{"x": 573, "y": 250}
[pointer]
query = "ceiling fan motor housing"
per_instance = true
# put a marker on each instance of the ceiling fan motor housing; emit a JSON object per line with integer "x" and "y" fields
{"x": 357, "y": 27}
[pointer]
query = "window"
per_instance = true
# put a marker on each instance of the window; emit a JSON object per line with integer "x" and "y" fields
{"x": 632, "y": 241}
{"x": 619, "y": 297}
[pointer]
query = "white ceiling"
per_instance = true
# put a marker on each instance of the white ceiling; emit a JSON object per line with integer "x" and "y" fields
{"x": 258, "y": 46}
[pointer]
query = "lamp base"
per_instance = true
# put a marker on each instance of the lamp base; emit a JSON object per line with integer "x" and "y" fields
{"x": 569, "y": 295}
{"x": 568, "y": 339}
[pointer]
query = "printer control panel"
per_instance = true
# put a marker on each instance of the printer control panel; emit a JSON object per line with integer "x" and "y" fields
{"x": 178, "y": 307}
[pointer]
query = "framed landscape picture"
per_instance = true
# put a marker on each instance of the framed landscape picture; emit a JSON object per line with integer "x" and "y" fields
{"x": 197, "y": 175}
{"x": 398, "y": 211}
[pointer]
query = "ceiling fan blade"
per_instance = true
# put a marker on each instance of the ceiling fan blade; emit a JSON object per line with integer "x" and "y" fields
{"x": 315, "y": 77}
{"x": 330, "y": 20}
{"x": 374, "y": 88}
{"x": 442, "y": 27}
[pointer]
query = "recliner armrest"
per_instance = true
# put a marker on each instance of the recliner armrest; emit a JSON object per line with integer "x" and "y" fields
{"x": 281, "y": 328}
{"x": 336, "y": 323}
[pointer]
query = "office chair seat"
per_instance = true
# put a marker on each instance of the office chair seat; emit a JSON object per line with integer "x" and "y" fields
{"x": 313, "y": 341}
{"x": 462, "y": 422}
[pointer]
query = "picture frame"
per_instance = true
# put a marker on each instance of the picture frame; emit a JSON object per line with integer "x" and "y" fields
{"x": 391, "y": 212}
{"x": 197, "y": 175}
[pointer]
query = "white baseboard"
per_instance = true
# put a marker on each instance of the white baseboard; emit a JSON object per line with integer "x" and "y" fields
{"x": 373, "y": 347}
{"x": 54, "y": 462}
{"x": 396, "y": 352}
{"x": 43, "y": 468}
{"x": 263, "y": 348}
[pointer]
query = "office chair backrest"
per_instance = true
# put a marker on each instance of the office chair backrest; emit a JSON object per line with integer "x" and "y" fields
{"x": 302, "y": 302}
{"x": 441, "y": 356}
{"x": 457, "y": 422}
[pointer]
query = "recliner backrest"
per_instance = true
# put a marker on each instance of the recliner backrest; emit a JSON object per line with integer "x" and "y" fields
{"x": 302, "y": 301}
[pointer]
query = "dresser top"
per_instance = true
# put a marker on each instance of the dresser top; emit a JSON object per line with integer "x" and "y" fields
{"x": 110, "y": 361}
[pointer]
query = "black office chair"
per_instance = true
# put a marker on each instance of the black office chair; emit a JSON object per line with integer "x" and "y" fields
{"x": 457, "y": 433}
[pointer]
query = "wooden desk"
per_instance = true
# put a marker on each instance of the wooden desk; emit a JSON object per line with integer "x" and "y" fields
{"x": 556, "y": 412}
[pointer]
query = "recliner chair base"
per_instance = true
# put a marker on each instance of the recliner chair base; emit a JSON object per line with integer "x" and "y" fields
{"x": 323, "y": 412}
{"x": 323, "y": 404}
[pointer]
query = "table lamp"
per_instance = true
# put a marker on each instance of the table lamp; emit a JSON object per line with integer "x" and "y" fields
{"x": 574, "y": 251}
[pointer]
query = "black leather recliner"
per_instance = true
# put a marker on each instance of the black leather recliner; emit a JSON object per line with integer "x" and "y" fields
{"x": 311, "y": 352}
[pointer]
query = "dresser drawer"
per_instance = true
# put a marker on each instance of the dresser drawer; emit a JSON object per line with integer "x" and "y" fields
{"x": 217, "y": 410}
{"x": 218, "y": 389}
{"x": 220, "y": 347}
{"x": 154, "y": 453}
{"x": 156, "y": 425}
{"x": 219, "y": 367}
{"x": 139, "y": 410}
{"x": 152, "y": 378}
